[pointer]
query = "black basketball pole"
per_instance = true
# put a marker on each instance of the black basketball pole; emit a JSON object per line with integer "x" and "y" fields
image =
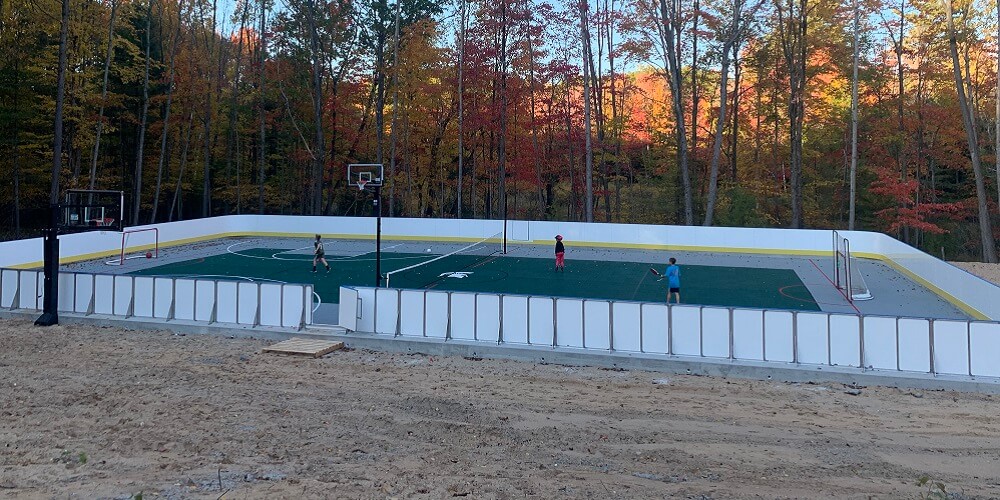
{"x": 378, "y": 236}
{"x": 50, "y": 257}
{"x": 505, "y": 226}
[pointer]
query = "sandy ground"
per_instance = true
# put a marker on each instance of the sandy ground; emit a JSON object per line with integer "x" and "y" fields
{"x": 90, "y": 412}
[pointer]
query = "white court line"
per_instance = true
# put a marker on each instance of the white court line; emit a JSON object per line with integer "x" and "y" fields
{"x": 350, "y": 258}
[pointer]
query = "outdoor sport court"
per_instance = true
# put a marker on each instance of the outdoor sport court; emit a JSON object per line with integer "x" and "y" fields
{"x": 716, "y": 279}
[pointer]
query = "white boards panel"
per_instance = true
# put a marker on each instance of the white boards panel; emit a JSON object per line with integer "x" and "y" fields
{"x": 30, "y": 292}
{"x": 8, "y": 287}
{"x": 366, "y": 310}
{"x": 880, "y": 343}
{"x": 515, "y": 319}
{"x": 488, "y": 317}
{"x": 226, "y": 305}
{"x": 123, "y": 295}
{"x": 654, "y": 328}
{"x": 569, "y": 322}
{"x": 778, "y": 343}
{"x": 627, "y": 326}
{"x": 540, "y": 318}
{"x": 951, "y": 347}
{"x": 685, "y": 330}
{"x": 748, "y": 334}
{"x": 914, "y": 345}
{"x": 347, "y": 309}
{"x": 67, "y": 292}
{"x": 597, "y": 324}
{"x": 246, "y": 302}
{"x": 83, "y": 292}
{"x": 295, "y": 303}
{"x": 204, "y": 294}
{"x": 845, "y": 340}
{"x": 411, "y": 313}
{"x": 386, "y": 310}
{"x": 142, "y": 301}
{"x": 811, "y": 330}
{"x": 163, "y": 290}
{"x": 463, "y": 316}
{"x": 436, "y": 314}
{"x": 270, "y": 304}
{"x": 312, "y": 302}
{"x": 715, "y": 332}
{"x": 104, "y": 294}
{"x": 985, "y": 349}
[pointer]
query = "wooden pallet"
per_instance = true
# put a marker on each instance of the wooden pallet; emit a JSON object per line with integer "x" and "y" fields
{"x": 306, "y": 347}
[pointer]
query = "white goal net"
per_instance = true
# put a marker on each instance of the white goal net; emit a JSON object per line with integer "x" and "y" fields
{"x": 847, "y": 273}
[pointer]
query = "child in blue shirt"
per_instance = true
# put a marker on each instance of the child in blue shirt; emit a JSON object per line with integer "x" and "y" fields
{"x": 673, "y": 274}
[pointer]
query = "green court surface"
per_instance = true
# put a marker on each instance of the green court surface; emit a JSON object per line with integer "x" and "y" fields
{"x": 592, "y": 279}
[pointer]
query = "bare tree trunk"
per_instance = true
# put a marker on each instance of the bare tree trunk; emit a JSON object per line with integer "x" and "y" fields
{"x": 854, "y": 121}
{"x": 720, "y": 124}
{"x": 180, "y": 172}
{"x": 695, "y": 11}
{"x": 380, "y": 102}
{"x": 571, "y": 159}
{"x": 901, "y": 158}
{"x": 231, "y": 136}
{"x": 985, "y": 226}
{"x": 206, "y": 185}
{"x": 57, "y": 142}
{"x": 318, "y": 162}
{"x": 536, "y": 154}
{"x": 395, "y": 106}
{"x": 461, "y": 109}
{"x": 262, "y": 146}
{"x": 166, "y": 114}
{"x": 584, "y": 38}
{"x": 669, "y": 29}
{"x": 730, "y": 39}
{"x": 104, "y": 93}
{"x": 735, "y": 127}
{"x": 17, "y": 186}
{"x": 503, "y": 63}
{"x": 792, "y": 29}
{"x": 137, "y": 193}
{"x": 615, "y": 111}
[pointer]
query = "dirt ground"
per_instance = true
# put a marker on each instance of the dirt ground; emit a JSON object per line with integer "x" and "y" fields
{"x": 89, "y": 412}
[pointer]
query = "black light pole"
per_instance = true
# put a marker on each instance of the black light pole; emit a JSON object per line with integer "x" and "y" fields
{"x": 378, "y": 236}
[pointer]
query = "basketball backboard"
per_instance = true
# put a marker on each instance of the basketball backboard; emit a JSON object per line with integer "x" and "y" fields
{"x": 92, "y": 210}
{"x": 362, "y": 175}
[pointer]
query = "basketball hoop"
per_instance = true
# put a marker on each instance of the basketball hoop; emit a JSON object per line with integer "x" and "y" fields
{"x": 361, "y": 184}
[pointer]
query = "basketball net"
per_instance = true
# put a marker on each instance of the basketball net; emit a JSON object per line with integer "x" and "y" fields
{"x": 361, "y": 184}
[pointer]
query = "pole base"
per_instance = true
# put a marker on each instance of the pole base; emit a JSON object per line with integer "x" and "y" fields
{"x": 47, "y": 319}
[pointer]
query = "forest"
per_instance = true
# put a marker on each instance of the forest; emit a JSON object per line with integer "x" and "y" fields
{"x": 876, "y": 115}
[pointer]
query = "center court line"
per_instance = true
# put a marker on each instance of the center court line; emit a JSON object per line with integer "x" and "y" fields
{"x": 834, "y": 285}
{"x": 308, "y": 258}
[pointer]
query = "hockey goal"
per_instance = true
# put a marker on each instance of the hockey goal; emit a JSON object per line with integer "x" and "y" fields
{"x": 847, "y": 273}
{"x": 138, "y": 244}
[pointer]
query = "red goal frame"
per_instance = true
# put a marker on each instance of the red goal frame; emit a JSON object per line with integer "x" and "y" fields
{"x": 156, "y": 244}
